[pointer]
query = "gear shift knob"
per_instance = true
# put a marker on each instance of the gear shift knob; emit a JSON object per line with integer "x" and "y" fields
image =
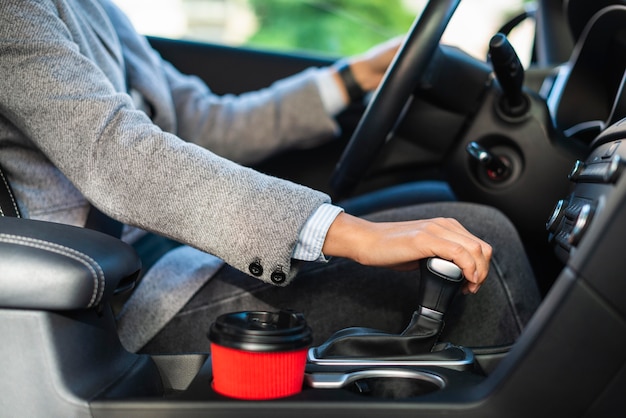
{"x": 440, "y": 280}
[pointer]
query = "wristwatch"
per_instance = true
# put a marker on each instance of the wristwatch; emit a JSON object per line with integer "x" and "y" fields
{"x": 355, "y": 92}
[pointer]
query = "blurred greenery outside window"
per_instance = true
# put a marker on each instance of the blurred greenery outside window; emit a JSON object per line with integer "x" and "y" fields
{"x": 329, "y": 27}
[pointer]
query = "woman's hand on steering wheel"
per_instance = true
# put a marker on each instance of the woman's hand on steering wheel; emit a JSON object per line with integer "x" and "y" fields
{"x": 370, "y": 67}
{"x": 395, "y": 86}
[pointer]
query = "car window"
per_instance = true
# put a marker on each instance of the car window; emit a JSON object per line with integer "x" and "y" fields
{"x": 333, "y": 27}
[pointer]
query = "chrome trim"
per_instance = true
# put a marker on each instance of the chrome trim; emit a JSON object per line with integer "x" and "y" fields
{"x": 430, "y": 313}
{"x": 612, "y": 173}
{"x": 578, "y": 167}
{"x": 461, "y": 364}
{"x": 582, "y": 221}
{"x": 340, "y": 380}
{"x": 555, "y": 218}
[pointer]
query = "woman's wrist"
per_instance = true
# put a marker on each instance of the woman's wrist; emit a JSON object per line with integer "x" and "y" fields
{"x": 351, "y": 85}
{"x": 345, "y": 236}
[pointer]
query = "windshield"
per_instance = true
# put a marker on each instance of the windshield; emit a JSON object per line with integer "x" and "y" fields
{"x": 332, "y": 27}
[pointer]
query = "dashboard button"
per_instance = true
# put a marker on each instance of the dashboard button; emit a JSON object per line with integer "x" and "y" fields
{"x": 557, "y": 214}
{"x": 581, "y": 224}
{"x": 578, "y": 167}
{"x": 609, "y": 152}
{"x": 614, "y": 169}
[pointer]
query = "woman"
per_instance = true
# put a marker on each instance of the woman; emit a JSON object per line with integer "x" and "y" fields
{"x": 91, "y": 115}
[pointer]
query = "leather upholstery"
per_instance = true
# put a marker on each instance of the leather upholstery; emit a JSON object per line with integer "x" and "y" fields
{"x": 52, "y": 266}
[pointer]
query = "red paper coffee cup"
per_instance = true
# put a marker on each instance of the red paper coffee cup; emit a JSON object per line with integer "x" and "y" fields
{"x": 259, "y": 355}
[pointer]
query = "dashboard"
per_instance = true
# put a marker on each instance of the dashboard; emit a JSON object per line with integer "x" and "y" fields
{"x": 594, "y": 181}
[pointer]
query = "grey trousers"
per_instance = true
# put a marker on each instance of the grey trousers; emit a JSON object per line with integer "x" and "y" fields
{"x": 342, "y": 293}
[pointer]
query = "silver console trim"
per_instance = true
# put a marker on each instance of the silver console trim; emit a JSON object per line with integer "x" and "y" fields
{"x": 430, "y": 313}
{"x": 461, "y": 364}
{"x": 340, "y": 380}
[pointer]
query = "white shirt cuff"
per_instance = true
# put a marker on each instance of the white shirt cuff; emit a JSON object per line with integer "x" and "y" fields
{"x": 332, "y": 97}
{"x": 313, "y": 233}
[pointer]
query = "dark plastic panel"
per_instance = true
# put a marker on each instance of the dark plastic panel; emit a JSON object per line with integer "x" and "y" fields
{"x": 53, "y": 364}
{"x": 233, "y": 70}
{"x": 597, "y": 68}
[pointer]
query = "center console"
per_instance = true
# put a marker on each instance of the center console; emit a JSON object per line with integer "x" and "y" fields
{"x": 66, "y": 360}
{"x": 568, "y": 362}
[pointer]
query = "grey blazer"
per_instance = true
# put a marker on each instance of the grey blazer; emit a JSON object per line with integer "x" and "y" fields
{"x": 70, "y": 134}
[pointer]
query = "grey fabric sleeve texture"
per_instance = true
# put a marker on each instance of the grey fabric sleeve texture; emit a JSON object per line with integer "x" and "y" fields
{"x": 70, "y": 134}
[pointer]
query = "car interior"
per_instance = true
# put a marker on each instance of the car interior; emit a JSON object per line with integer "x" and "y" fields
{"x": 542, "y": 144}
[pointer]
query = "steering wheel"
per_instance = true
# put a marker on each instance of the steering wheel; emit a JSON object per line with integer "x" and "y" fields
{"x": 389, "y": 99}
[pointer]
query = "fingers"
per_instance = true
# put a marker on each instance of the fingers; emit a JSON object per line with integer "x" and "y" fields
{"x": 400, "y": 245}
{"x": 440, "y": 237}
{"x": 384, "y": 51}
{"x": 453, "y": 242}
{"x": 369, "y": 68}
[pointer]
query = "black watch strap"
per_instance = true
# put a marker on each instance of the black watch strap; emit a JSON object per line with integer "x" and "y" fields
{"x": 355, "y": 92}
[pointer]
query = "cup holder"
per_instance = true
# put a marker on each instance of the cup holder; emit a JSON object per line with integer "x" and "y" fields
{"x": 379, "y": 383}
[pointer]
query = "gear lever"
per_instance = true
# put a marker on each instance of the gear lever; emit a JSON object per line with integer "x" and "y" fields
{"x": 440, "y": 280}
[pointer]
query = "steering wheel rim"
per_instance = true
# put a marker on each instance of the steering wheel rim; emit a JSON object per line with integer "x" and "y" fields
{"x": 389, "y": 99}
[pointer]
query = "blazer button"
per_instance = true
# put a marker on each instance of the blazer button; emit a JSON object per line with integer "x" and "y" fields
{"x": 278, "y": 276}
{"x": 255, "y": 268}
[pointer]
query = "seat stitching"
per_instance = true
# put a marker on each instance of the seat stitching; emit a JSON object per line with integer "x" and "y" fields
{"x": 509, "y": 295}
{"x": 89, "y": 262}
{"x": 96, "y": 271}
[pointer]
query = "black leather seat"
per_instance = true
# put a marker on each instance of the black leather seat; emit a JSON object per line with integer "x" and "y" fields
{"x": 52, "y": 266}
{"x": 60, "y": 348}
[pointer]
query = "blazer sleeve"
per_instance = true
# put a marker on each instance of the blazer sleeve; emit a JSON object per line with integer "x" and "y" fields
{"x": 244, "y": 128}
{"x": 249, "y": 127}
{"x": 128, "y": 167}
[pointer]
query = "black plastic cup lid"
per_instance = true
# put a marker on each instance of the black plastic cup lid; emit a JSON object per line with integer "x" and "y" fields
{"x": 261, "y": 331}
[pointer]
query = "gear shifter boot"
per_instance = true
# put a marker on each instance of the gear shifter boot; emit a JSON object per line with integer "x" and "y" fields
{"x": 357, "y": 342}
